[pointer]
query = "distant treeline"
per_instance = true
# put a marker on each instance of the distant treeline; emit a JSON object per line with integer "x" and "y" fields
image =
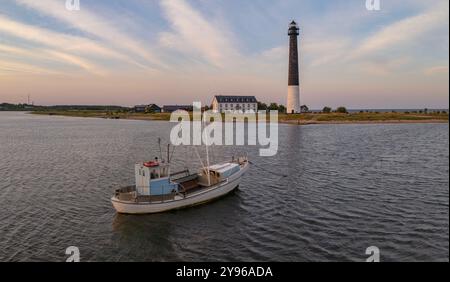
{"x": 87, "y": 108}
{"x": 27, "y": 107}
{"x": 16, "y": 107}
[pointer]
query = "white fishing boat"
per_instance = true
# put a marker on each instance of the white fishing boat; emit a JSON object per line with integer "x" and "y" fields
{"x": 158, "y": 190}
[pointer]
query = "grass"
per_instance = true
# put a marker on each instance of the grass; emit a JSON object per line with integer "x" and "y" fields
{"x": 362, "y": 117}
{"x": 307, "y": 118}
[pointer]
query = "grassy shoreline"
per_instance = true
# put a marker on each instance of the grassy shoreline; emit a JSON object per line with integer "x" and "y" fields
{"x": 299, "y": 119}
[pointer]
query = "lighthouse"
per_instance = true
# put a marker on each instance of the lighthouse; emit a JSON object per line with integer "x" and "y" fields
{"x": 293, "y": 96}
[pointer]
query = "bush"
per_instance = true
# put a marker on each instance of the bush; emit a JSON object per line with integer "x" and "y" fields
{"x": 304, "y": 109}
{"x": 326, "y": 110}
{"x": 341, "y": 110}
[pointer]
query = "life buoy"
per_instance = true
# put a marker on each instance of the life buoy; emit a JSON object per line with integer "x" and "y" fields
{"x": 151, "y": 164}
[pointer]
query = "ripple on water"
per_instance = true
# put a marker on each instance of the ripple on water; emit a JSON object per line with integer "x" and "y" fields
{"x": 348, "y": 187}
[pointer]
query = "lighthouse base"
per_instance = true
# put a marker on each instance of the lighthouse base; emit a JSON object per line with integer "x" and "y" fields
{"x": 293, "y": 99}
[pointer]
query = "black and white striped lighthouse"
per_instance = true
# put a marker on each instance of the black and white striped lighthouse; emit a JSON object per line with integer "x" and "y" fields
{"x": 293, "y": 97}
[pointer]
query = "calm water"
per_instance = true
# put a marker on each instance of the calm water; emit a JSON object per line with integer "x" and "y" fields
{"x": 349, "y": 187}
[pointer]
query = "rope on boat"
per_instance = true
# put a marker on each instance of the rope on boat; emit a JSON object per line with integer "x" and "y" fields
{"x": 171, "y": 156}
{"x": 266, "y": 170}
{"x": 198, "y": 156}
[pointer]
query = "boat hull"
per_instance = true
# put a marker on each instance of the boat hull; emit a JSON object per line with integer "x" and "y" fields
{"x": 197, "y": 198}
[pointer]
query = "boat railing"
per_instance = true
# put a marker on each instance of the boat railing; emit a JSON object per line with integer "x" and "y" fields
{"x": 136, "y": 197}
{"x": 186, "y": 171}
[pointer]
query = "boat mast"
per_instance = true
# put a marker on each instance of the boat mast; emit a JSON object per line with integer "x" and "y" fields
{"x": 160, "y": 151}
{"x": 168, "y": 160}
{"x": 168, "y": 153}
{"x": 207, "y": 156}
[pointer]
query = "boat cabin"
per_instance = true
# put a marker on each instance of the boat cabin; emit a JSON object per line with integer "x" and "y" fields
{"x": 152, "y": 179}
{"x": 218, "y": 173}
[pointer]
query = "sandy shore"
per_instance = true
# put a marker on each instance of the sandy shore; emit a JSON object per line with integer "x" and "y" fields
{"x": 303, "y": 119}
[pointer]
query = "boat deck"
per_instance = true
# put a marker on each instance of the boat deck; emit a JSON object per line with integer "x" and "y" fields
{"x": 189, "y": 184}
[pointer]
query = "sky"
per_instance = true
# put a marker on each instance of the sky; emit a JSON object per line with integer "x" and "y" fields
{"x": 118, "y": 52}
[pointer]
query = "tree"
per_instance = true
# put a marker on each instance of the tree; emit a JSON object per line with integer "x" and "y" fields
{"x": 262, "y": 106}
{"x": 273, "y": 107}
{"x": 281, "y": 109}
{"x": 326, "y": 110}
{"x": 304, "y": 109}
{"x": 341, "y": 110}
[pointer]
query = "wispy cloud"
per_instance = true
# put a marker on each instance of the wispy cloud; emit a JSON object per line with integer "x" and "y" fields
{"x": 8, "y": 67}
{"x": 405, "y": 31}
{"x": 193, "y": 33}
{"x": 93, "y": 24}
{"x": 77, "y": 61}
{"x": 389, "y": 49}
{"x": 437, "y": 70}
{"x": 45, "y": 55}
{"x": 323, "y": 51}
{"x": 55, "y": 39}
{"x": 7, "y": 49}
{"x": 383, "y": 67}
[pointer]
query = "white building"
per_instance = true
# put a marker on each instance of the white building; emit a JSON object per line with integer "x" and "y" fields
{"x": 222, "y": 104}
